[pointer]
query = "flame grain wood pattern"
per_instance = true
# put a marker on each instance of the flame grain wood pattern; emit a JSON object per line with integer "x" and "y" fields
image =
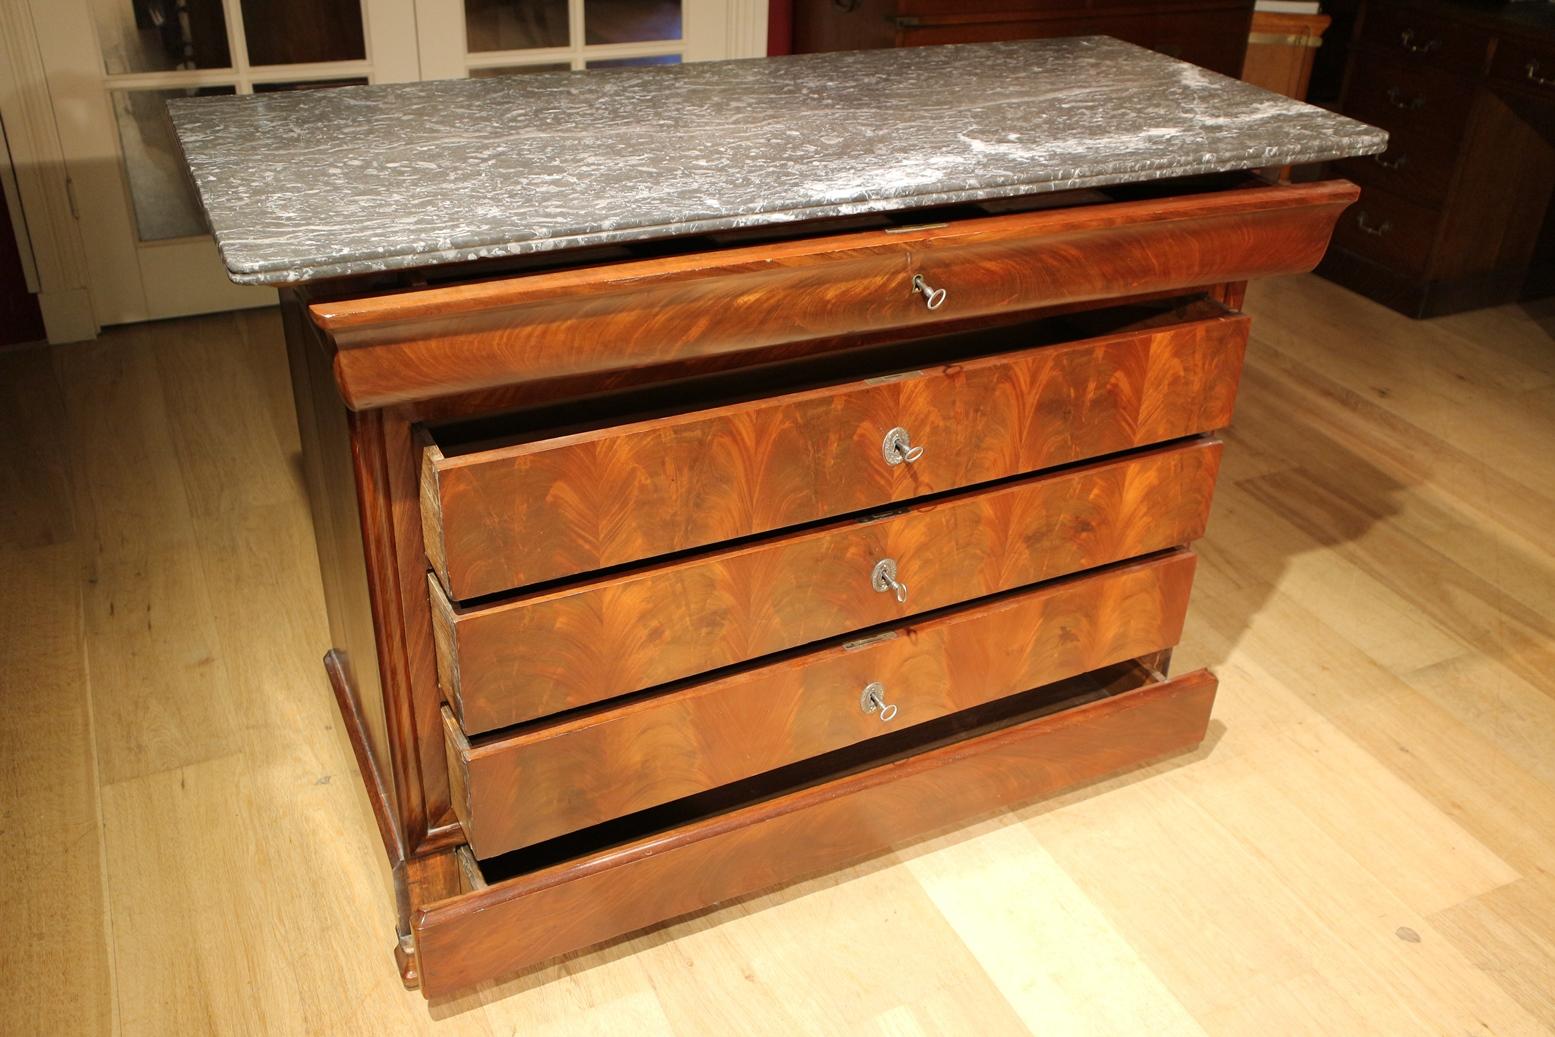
{"x": 542, "y": 654}
{"x": 511, "y": 925}
{"x": 439, "y": 341}
{"x": 541, "y": 782}
{"x": 516, "y": 515}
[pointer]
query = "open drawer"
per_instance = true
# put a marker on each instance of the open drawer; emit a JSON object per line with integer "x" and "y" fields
{"x": 938, "y": 267}
{"x": 535, "y": 655}
{"x": 537, "y": 504}
{"x": 532, "y": 783}
{"x": 532, "y": 905}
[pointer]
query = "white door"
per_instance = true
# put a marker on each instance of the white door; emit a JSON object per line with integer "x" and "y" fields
{"x": 111, "y": 65}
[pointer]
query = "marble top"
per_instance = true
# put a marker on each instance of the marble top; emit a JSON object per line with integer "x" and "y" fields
{"x": 324, "y": 183}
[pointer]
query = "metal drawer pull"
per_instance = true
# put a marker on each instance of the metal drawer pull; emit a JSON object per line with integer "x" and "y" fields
{"x": 898, "y": 447}
{"x": 1367, "y": 227}
{"x": 874, "y": 698}
{"x": 1533, "y": 75}
{"x": 1396, "y": 163}
{"x": 1402, "y": 101}
{"x": 1407, "y": 41}
{"x": 935, "y": 297}
{"x": 884, "y": 579}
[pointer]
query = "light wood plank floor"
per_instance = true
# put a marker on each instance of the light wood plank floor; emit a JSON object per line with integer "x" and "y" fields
{"x": 1365, "y": 845}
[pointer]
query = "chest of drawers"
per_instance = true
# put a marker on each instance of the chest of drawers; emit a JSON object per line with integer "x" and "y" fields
{"x": 1448, "y": 221}
{"x": 667, "y": 569}
{"x": 713, "y": 609}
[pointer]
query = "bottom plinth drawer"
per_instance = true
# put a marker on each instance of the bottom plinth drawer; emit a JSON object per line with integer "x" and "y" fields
{"x": 532, "y": 905}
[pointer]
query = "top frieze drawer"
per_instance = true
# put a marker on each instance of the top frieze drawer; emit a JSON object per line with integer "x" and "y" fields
{"x": 590, "y": 321}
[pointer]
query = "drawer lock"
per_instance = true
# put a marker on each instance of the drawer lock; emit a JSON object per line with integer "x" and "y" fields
{"x": 874, "y": 699}
{"x": 897, "y": 447}
{"x": 935, "y": 297}
{"x": 884, "y": 579}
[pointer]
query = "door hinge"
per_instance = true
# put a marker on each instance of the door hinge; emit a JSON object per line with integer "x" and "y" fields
{"x": 70, "y": 196}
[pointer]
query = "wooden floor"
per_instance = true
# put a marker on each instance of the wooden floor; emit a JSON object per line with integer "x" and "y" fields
{"x": 1365, "y": 844}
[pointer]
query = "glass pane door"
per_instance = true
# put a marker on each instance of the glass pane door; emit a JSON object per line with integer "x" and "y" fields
{"x": 114, "y": 64}
{"x": 525, "y": 35}
{"x": 505, "y": 37}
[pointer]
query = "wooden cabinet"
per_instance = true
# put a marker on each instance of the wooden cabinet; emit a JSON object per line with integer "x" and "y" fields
{"x": 1212, "y": 33}
{"x": 1455, "y": 212}
{"x": 731, "y": 559}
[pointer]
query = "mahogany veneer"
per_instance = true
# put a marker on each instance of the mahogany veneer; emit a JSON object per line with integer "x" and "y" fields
{"x": 523, "y": 514}
{"x": 557, "y": 778}
{"x": 493, "y": 930}
{"x": 439, "y": 340}
{"x": 540, "y": 654}
{"x": 599, "y": 534}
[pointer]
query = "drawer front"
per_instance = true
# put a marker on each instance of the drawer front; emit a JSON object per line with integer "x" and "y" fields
{"x": 1404, "y": 99}
{"x": 1416, "y": 165}
{"x": 1525, "y": 64}
{"x": 513, "y": 924}
{"x": 758, "y": 300}
{"x": 519, "y": 515}
{"x": 1391, "y": 231}
{"x": 519, "y": 789}
{"x": 1422, "y": 39}
{"x": 539, "y": 655}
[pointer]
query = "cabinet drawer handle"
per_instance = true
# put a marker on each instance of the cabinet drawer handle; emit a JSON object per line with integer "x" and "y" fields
{"x": 1407, "y": 41}
{"x": 898, "y": 447}
{"x": 935, "y": 297}
{"x": 1391, "y": 163}
{"x": 1402, "y": 101}
{"x": 884, "y": 579}
{"x": 1532, "y": 69}
{"x": 874, "y": 698}
{"x": 1376, "y": 230}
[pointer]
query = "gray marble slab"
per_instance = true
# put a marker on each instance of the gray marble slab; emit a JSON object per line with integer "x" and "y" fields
{"x": 324, "y": 183}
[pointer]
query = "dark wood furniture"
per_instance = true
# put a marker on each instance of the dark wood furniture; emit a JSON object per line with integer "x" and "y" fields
{"x": 1455, "y": 213}
{"x": 1212, "y": 33}
{"x": 659, "y": 575}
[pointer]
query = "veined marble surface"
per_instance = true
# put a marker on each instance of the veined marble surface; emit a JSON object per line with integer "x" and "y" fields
{"x": 324, "y": 183}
